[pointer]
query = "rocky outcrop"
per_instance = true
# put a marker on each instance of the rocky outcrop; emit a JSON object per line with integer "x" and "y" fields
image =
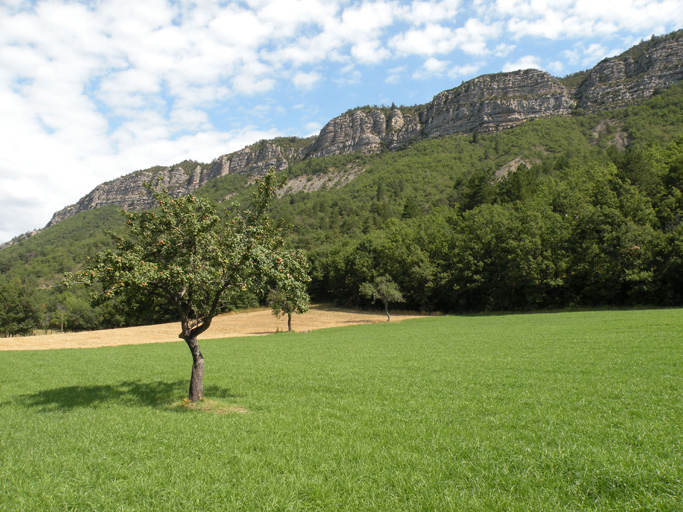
{"x": 356, "y": 132}
{"x": 486, "y": 104}
{"x": 128, "y": 192}
{"x": 19, "y": 238}
{"x": 328, "y": 181}
{"x": 492, "y": 103}
{"x": 624, "y": 80}
{"x": 258, "y": 158}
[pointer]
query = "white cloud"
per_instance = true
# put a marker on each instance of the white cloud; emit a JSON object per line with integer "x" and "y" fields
{"x": 36, "y": 183}
{"x": 435, "y": 68}
{"x": 556, "y": 67}
{"x": 503, "y": 49}
{"x": 463, "y": 71}
{"x": 473, "y": 37}
{"x": 394, "y": 74}
{"x": 595, "y": 52}
{"x": 306, "y": 80}
{"x": 288, "y": 16}
{"x": 312, "y": 128}
{"x": 431, "y": 67}
{"x": 369, "y": 52}
{"x": 573, "y": 56}
{"x": 588, "y": 56}
{"x": 421, "y": 12}
{"x": 349, "y": 75}
{"x": 526, "y": 62}
{"x": 433, "y": 39}
{"x": 556, "y": 19}
{"x": 240, "y": 28}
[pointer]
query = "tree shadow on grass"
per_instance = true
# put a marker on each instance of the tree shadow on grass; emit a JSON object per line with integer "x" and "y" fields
{"x": 131, "y": 393}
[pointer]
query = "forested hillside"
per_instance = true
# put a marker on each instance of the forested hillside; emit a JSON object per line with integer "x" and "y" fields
{"x": 579, "y": 211}
{"x": 560, "y": 212}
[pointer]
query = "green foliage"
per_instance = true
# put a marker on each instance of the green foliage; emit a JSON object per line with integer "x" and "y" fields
{"x": 384, "y": 289}
{"x": 19, "y": 315}
{"x": 289, "y": 295}
{"x": 574, "y": 80}
{"x": 183, "y": 258}
{"x": 289, "y": 299}
{"x": 551, "y": 235}
{"x": 540, "y": 412}
{"x": 656, "y": 121}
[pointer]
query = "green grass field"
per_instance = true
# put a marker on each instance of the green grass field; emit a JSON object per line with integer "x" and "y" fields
{"x": 561, "y": 411}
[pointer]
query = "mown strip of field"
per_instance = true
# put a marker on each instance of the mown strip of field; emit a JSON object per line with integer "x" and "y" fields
{"x": 576, "y": 411}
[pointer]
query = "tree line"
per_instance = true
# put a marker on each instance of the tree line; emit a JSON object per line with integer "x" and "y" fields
{"x": 557, "y": 234}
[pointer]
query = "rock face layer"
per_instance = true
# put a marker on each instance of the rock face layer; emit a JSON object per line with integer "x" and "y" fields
{"x": 128, "y": 191}
{"x": 492, "y": 103}
{"x": 624, "y": 80}
{"x": 486, "y": 104}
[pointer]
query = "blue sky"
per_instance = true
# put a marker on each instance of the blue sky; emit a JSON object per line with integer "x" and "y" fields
{"x": 90, "y": 91}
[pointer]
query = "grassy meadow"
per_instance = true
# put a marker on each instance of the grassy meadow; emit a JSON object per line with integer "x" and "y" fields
{"x": 534, "y": 412}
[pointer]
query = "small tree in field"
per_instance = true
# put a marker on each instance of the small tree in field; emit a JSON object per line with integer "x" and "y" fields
{"x": 184, "y": 255}
{"x": 289, "y": 298}
{"x": 382, "y": 288}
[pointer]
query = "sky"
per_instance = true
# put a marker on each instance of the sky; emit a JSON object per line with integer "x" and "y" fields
{"x": 93, "y": 90}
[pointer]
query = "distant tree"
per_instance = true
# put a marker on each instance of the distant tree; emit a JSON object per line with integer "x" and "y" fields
{"x": 185, "y": 256}
{"x": 410, "y": 209}
{"x": 379, "y": 195}
{"x": 382, "y": 288}
{"x": 290, "y": 297}
{"x": 18, "y": 313}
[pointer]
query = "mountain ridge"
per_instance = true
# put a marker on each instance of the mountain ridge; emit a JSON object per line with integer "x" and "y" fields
{"x": 485, "y": 104}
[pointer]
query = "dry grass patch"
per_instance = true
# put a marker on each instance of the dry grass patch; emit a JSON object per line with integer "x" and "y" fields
{"x": 257, "y": 322}
{"x": 208, "y": 405}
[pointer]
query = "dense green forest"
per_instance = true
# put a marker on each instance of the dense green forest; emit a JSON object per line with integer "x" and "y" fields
{"x": 561, "y": 212}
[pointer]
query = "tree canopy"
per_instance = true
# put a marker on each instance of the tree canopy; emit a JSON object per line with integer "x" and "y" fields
{"x": 383, "y": 288}
{"x": 184, "y": 258}
{"x": 19, "y": 314}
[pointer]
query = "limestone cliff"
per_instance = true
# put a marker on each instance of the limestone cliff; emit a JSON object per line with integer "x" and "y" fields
{"x": 128, "y": 191}
{"x": 486, "y": 104}
{"x": 492, "y": 103}
{"x": 633, "y": 76}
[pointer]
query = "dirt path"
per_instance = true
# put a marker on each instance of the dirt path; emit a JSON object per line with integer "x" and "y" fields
{"x": 251, "y": 323}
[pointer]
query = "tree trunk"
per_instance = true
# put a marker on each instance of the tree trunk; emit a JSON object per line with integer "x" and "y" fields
{"x": 386, "y": 310}
{"x": 289, "y": 321}
{"x": 197, "y": 379}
